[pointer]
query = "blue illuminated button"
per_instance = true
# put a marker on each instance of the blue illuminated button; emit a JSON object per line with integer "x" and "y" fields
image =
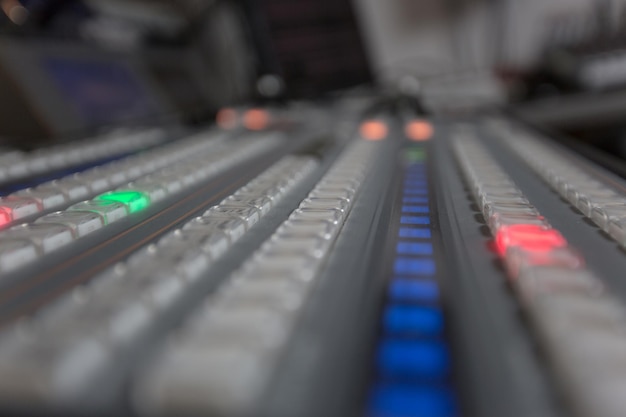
{"x": 415, "y": 209}
{"x": 418, "y": 179}
{"x": 408, "y": 200}
{"x": 415, "y": 191}
{"x": 408, "y": 232}
{"x": 414, "y": 248}
{"x": 414, "y": 220}
{"x": 414, "y": 182}
{"x": 413, "y": 359}
{"x": 413, "y": 320}
{"x": 413, "y": 290}
{"x": 403, "y": 400}
{"x": 411, "y": 266}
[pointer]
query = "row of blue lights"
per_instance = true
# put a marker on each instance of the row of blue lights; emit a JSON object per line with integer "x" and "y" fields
{"x": 413, "y": 361}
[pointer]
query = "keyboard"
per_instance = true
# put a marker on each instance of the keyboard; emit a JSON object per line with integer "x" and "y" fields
{"x": 321, "y": 264}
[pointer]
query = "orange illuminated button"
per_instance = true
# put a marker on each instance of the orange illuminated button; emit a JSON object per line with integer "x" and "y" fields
{"x": 256, "y": 119}
{"x": 226, "y": 118}
{"x": 373, "y": 130}
{"x": 418, "y": 130}
{"x": 530, "y": 237}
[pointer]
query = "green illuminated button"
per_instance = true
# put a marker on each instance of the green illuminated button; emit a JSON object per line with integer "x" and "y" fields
{"x": 415, "y": 154}
{"x": 134, "y": 200}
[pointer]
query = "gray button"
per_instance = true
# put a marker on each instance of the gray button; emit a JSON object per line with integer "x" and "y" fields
{"x": 234, "y": 227}
{"x": 154, "y": 190}
{"x": 263, "y": 204}
{"x": 301, "y": 228}
{"x": 96, "y": 179}
{"x": 48, "y": 198}
{"x": 16, "y": 253}
{"x": 224, "y": 380}
{"x": 326, "y": 203}
{"x": 492, "y": 208}
{"x": 109, "y": 315}
{"x": 249, "y": 215}
{"x": 601, "y": 215}
{"x": 190, "y": 262}
{"x": 268, "y": 336}
{"x": 110, "y": 211}
{"x": 344, "y": 194}
{"x": 313, "y": 246}
{"x": 51, "y": 370}
{"x": 81, "y": 222}
{"x": 170, "y": 181}
{"x": 73, "y": 188}
{"x": 116, "y": 174}
{"x": 541, "y": 281}
{"x": 215, "y": 243}
{"x": 617, "y": 229}
{"x": 47, "y": 237}
{"x": 20, "y": 207}
{"x": 272, "y": 194}
{"x": 499, "y": 220}
{"x": 332, "y": 215}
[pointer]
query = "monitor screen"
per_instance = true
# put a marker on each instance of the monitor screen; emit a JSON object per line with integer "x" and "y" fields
{"x": 101, "y": 92}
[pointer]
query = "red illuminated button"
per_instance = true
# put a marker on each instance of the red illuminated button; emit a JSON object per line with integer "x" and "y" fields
{"x": 530, "y": 237}
{"x": 5, "y": 216}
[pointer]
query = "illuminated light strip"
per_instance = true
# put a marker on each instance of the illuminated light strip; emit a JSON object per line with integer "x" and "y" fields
{"x": 413, "y": 360}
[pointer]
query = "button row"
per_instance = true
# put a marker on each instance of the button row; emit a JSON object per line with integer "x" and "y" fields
{"x": 227, "y": 350}
{"x": 72, "y": 340}
{"x": 580, "y": 327}
{"x": 75, "y": 187}
{"x": 22, "y": 244}
{"x": 602, "y": 204}
{"x": 15, "y": 164}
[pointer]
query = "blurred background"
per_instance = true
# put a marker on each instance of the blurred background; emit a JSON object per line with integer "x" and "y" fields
{"x": 71, "y": 66}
